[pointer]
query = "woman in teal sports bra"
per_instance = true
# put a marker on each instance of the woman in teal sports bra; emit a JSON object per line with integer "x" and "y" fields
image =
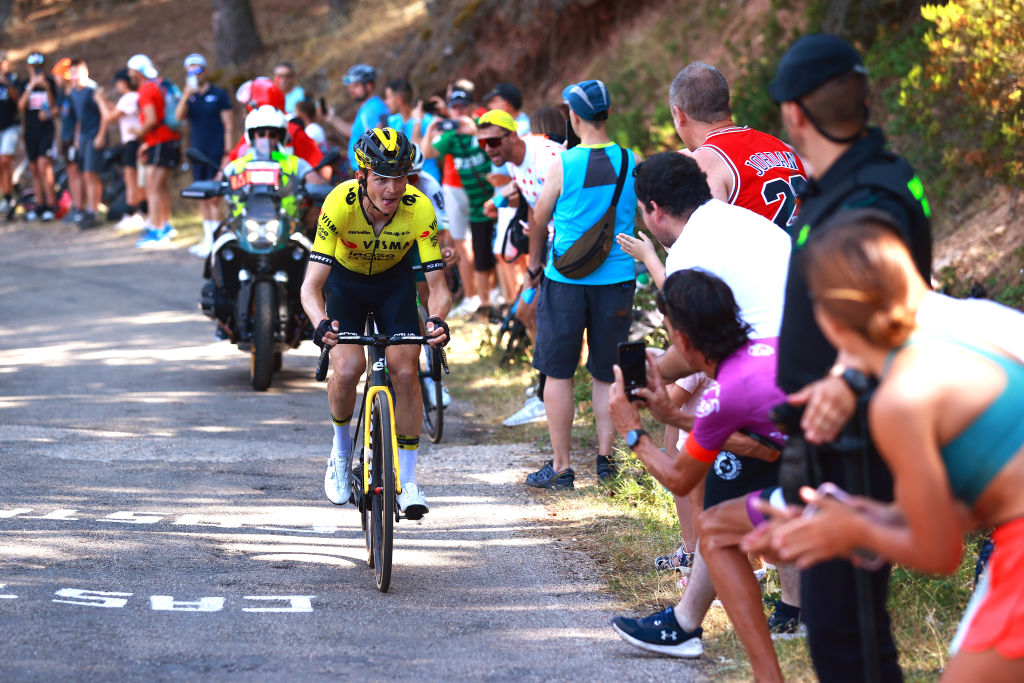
{"x": 948, "y": 418}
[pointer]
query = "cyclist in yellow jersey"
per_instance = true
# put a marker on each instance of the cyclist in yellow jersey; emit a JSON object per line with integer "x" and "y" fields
{"x": 359, "y": 261}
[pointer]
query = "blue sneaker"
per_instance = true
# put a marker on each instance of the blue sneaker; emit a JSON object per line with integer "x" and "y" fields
{"x": 661, "y": 633}
{"x": 154, "y": 237}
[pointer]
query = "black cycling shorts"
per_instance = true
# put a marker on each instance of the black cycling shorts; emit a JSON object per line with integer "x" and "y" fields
{"x": 732, "y": 476}
{"x": 130, "y": 153}
{"x": 165, "y": 155}
{"x": 391, "y": 295}
{"x": 39, "y": 142}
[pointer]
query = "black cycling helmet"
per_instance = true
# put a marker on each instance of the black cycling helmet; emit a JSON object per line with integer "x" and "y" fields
{"x": 386, "y": 152}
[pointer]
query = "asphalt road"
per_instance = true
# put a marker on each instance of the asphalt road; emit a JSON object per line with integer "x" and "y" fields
{"x": 160, "y": 520}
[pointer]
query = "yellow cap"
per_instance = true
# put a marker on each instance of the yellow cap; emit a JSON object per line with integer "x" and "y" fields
{"x": 499, "y": 118}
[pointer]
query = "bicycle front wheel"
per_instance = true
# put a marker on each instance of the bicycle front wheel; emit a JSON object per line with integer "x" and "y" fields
{"x": 431, "y": 390}
{"x": 382, "y": 490}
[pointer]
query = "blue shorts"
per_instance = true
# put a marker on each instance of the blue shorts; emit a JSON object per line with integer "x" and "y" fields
{"x": 90, "y": 159}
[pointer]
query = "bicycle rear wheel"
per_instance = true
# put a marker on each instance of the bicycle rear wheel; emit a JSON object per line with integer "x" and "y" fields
{"x": 433, "y": 398}
{"x": 382, "y": 491}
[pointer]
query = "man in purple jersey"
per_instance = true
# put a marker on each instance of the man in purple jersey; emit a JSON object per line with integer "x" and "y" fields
{"x": 705, "y": 326}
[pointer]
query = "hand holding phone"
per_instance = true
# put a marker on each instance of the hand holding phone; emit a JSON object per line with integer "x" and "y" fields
{"x": 633, "y": 362}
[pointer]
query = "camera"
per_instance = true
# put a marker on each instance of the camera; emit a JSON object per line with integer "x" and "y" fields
{"x": 446, "y": 125}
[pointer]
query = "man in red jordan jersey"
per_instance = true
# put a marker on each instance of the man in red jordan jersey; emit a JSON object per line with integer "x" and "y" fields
{"x": 744, "y": 166}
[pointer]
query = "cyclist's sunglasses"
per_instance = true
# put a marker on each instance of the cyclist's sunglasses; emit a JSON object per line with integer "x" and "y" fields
{"x": 493, "y": 142}
{"x": 266, "y": 132}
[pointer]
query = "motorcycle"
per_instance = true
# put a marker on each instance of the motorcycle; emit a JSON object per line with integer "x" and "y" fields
{"x": 258, "y": 261}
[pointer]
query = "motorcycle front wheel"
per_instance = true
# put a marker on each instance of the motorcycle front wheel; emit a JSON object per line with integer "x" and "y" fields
{"x": 261, "y": 366}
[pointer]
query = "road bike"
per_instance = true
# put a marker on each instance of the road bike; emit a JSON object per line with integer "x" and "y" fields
{"x": 376, "y": 481}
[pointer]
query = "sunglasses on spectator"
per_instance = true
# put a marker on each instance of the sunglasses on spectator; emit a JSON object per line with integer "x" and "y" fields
{"x": 35, "y": 59}
{"x": 493, "y": 142}
{"x": 266, "y": 132}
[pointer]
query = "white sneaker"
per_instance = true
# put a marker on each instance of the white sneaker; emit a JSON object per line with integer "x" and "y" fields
{"x": 532, "y": 411}
{"x": 446, "y": 398}
{"x": 31, "y": 216}
{"x": 130, "y": 223}
{"x": 200, "y": 250}
{"x": 337, "y": 485}
{"x": 5, "y": 204}
{"x": 48, "y": 216}
{"x": 467, "y": 308}
{"x": 412, "y": 502}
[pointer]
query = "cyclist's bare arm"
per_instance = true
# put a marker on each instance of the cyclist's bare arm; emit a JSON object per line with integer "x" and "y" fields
{"x": 312, "y": 296}
{"x": 439, "y": 302}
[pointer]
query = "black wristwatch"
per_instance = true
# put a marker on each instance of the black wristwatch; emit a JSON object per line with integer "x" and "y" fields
{"x": 856, "y": 380}
{"x": 633, "y": 437}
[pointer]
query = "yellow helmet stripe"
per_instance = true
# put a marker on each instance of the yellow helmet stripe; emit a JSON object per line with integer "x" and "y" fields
{"x": 388, "y": 138}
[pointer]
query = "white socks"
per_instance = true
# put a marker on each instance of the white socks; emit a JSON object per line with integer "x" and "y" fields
{"x": 407, "y": 465}
{"x": 209, "y": 227}
{"x": 342, "y": 444}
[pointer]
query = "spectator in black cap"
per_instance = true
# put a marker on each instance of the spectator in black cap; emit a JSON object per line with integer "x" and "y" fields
{"x": 507, "y": 97}
{"x": 821, "y": 86}
{"x": 38, "y": 103}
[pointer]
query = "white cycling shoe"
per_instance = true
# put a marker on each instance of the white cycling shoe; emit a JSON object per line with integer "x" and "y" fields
{"x": 411, "y": 501}
{"x": 337, "y": 483}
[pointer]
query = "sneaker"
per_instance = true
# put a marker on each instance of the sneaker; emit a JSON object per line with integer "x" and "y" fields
{"x": 200, "y": 250}
{"x": 130, "y": 223}
{"x": 5, "y": 204}
{"x": 446, "y": 398}
{"x": 73, "y": 216}
{"x": 606, "y": 469}
{"x": 155, "y": 237}
{"x": 466, "y": 308}
{"x": 48, "y": 215}
{"x": 547, "y": 478}
{"x": 411, "y": 501}
{"x": 337, "y": 485}
{"x": 532, "y": 411}
{"x": 783, "y": 627}
{"x": 170, "y": 230}
{"x": 661, "y": 633}
{"x": 31, "y": 216}
{"x": 680, "y": 561}
{"x": 87, "y": 220}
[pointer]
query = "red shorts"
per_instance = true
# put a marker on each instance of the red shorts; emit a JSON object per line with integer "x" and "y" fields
{"x": 994, "y": 619}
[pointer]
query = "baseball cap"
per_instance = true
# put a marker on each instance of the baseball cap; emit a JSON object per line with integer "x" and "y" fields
{"x": 507, "y": 92}
{"x": 811, "y": 61}
{"x": 195, "y": 59}
{"x": 360, "y": 73}
{"x": 589, "y": 99}
{"x": 459, "y": 97}
{"x": 62, "y": 69}
{"x": 143, "y": 65}
{"x": 35, "y": 59}
{"x": 499, "y": 118}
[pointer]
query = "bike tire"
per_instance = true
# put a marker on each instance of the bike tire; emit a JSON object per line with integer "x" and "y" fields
{"x": 261, "y": 363}
{"x": 433, "y": 405}
{"x": 382, "y": 491}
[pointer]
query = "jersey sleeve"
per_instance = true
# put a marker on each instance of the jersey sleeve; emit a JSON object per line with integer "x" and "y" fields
{"x": 426, "y": 237}
{"x": 711, "y": 428}
{"x": 303, "y": 146}
{"x": 326, "y": 243}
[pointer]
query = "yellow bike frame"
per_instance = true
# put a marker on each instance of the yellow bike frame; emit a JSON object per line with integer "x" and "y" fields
{"x": 368, "y": 402}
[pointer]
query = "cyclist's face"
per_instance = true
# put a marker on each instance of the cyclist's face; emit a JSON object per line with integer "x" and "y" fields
{"x": 385, "y": 193}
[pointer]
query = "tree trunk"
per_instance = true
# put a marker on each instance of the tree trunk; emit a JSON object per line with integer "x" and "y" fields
{"x": 5, "y": 13}
{"x": 234, "y": 31}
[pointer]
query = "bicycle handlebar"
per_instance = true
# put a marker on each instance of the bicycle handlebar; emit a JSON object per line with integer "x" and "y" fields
{"x": 380, "y": 340}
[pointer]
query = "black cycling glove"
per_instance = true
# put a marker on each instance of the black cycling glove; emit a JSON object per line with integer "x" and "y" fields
{"x": 323, "y": 328}
{"x": 443, "y": 325}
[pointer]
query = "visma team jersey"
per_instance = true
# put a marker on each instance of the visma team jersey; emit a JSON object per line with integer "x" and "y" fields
{"x": 345, "y": 237}
{"x": 764, "y": 169}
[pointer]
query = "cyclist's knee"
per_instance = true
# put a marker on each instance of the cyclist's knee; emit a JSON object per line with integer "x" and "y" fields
{"x": 405, "y": 374}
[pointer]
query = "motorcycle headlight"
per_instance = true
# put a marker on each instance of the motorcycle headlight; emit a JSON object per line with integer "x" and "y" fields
{"x": 262, "y": 232}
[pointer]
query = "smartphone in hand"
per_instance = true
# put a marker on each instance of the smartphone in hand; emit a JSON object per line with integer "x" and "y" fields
{"x": 633, "y": 362}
